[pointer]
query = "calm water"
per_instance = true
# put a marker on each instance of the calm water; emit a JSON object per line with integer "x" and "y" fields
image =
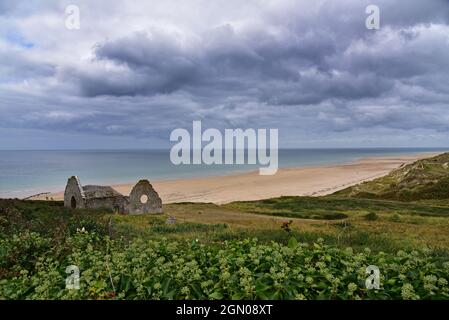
{"x": 24, "y": 173}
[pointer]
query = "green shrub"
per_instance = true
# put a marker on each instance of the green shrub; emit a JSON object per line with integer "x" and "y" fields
{"x": 372, "y": 216}
{"x": 396, "y": 218}
{"x": 187, "y": 227}
{"x": 114, "y": 269}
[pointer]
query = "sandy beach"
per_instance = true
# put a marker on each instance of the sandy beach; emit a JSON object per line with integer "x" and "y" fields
{"x": 307, "y": 181}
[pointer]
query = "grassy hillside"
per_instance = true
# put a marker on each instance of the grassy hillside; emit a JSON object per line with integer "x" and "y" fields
{"x": 422, "y": 180}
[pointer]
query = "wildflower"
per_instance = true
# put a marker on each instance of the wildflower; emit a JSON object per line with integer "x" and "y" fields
{"x": 225, "y": 275}
{"x": 245, "y": 272}
{"x": 442, "y": 282}
{"x": 352, "y": 287}
{"x": 408, "y": 293}
{"x": 239, "y": 261}
{"x": 157, "y": 286}
{"x": 23, "y": 272}
{"x": 429, "y": 283}
{"x": 82, "y": 230}
{"x": 430, "y": 287}
{"x": 206, "y": 284}
{"x": 185, "y": 290}
{"x": 335, "y": 282}
{"x": 401, "y": 254}
{"x": 431, "y": 279}
{"x": 329, "y": 277}
{"x": 311, "y": 270}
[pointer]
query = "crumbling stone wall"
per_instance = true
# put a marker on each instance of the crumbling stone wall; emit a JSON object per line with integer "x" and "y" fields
{"x": 105, "y": 197}
{"x": 117, "y": 204}
{"x": 144, "y": 199}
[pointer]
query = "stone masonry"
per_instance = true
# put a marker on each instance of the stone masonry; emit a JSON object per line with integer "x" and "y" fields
{"x": 142, "y": 199}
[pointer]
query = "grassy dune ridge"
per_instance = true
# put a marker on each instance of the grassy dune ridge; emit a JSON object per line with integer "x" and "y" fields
{"x": 426, "y": 179}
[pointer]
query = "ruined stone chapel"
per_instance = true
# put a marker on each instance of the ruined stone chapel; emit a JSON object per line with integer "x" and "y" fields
{"x": 142, "y": 199}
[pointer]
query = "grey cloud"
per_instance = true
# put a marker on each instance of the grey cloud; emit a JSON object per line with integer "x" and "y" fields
{"x": 300, "y": 66}
{"x": 19, "y": 67}
{"x": 224, "y": 61}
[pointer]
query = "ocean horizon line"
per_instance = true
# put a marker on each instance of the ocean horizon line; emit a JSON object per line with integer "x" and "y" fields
{"x": 27, "y": 172}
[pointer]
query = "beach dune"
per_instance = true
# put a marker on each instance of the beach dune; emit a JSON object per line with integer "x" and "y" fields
{"x": 308, "y": 181}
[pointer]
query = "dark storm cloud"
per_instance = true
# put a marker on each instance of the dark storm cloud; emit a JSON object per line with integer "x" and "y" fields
{"x": 221, "y": 60}
{"x": 304, "y": 64}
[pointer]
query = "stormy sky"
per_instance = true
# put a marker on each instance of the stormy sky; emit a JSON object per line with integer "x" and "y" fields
{"x": 136, "y": 70}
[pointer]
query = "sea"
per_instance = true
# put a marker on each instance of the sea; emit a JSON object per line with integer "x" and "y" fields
{"x": 31, "y": 172}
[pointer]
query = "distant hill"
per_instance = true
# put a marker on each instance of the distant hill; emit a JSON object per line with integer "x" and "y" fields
{"x": 422, "y": 180}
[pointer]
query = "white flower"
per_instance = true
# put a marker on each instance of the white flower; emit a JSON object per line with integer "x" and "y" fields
{"x": 82, "y": 230}
{"x": 442, "y": 282}
{"x": 408, "y": 293}
{"x": 157, "y": 286}
{"x": 185, "y": 290}
{"x": 352, "y": 287}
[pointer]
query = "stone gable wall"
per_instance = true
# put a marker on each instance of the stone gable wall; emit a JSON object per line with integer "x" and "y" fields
{"x": 153, "y": 203}
{"x": 74, "y": 190}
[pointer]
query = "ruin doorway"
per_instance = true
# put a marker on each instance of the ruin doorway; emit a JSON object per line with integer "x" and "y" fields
{"x": 73, "y": 203}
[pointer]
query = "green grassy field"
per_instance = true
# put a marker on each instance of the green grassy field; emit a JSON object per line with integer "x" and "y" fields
{"x": 144, "y": 257}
